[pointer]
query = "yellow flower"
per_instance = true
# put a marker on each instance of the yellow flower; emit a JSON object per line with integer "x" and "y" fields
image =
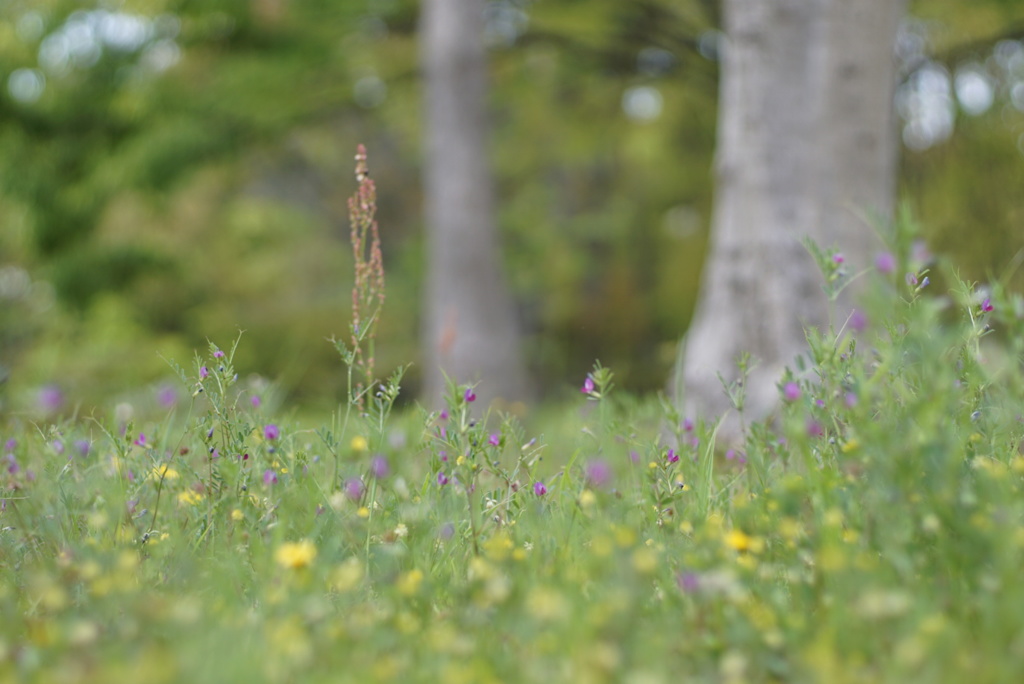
{"x": 296, "y": 555}
{"x": 165, "y": 472}
{"x": 408, "y": 583}
{"x": 346, "y": 576}
{"x": 237, "y": 515}
{"x": 359, "y": 443}
{"x": 740, "y": 541}
{"x": 190, "y": 497}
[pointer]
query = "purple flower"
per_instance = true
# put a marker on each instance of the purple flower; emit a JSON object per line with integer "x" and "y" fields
{"x": 588, "y": 386}
{"x": 58, "y": 446}
{"x": 858, "y": 320}
{"x": 50, "y": 399}
{"x": 204, "y": 372}
{"x": 444, "y": 414}
{"x": 912, "y": 279}
{"x": 269, "y": 477}
{"x": 494, "y": 440}
{"x": 255, "y": 401}
{"x": 814, "y": 429}
{"x": 140, "y": 440}
{"x": 271, "y": 432}
{"x": 885, "y": 262}
{"x": 354, "y": 488}
{"x": 672, "y": 456}
{"x": 442, "y": 479}
{"x": 986, "y": 305}
{"x": 379, "y": 467}
{"x": 730, "y": 454}
{"x": 687, "y": 425}
{"x": 838, "y": 258}
{"x": 10, "y": 444}
{"x": 634, "y": 457}
{"x": 469, "y": 396}
{"x": 12, "y": 464}
{"x": 166, "y": 396}
{"x": 851, "y": 400}
{"x": 218, "y": 354}
{"x": 791, "y": 391}
{"x": 447, "y": 531}
{"x": 83, "y": 447}
{"x": 598, "y": 473}
{"x": 215, "y": 454}
{"x": 689, "y": 582}
{"x": 539, "y": 489}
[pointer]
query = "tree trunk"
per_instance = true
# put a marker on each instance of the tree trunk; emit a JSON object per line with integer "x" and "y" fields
{"x": 470, "y": 325}
{"x": 806, "y": 147}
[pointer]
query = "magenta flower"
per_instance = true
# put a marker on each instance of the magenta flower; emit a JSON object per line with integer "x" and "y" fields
{"x": 255, "y": 401}
{"x": 469, "y": 396}
{"x": 791, "y": 391}
{"x": 858, "y": 320}
{"x": 166, "y": 396}
{"x": 689, "y": 582}
{"x": 442, "y": 479}
{"x": 379, "y": 467}
{"x": 814, "y": 429}
{"x": 271, "y": 432}
{"x": 494, "y": 440}
{"x": 83, "y": 446}
{"x": 588, "y": 386}
{"x": 269, "y": 477}
{"x": 354, "y": 488}
{"x": 672, "y": 456}
{"x": 204, "y": 372}
{"x": 851, "y": 400}
{"x": 885, "y": 262}
{"x": 218, "y": 354}
{"x": 539, "y": 489}
{"x": 598, "y": 473}
{"x": 986, "y": 305}
{"x": 50, "y": 399}
{"x": 687, "y": 425}
{"x": 10, "y": 444}
{"x": 140, "y": 440}
{"x": 838, "y": 258}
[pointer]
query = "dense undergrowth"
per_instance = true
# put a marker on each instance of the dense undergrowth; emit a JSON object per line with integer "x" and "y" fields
{"x": 873, "y": 531}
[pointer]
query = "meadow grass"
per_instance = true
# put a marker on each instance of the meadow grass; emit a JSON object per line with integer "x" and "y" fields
{"x": 872, "y": 531}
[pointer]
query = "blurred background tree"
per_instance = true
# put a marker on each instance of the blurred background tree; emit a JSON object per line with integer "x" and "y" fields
{"x": 173, "y": 171}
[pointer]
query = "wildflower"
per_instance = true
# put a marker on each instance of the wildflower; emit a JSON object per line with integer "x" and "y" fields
{"x": 141, "y": 441}
{"x": 269, "y": 477}
{"x": 443, "y": 415}
{"x": 204, "y": 372}
{"x": 814, "y": 428}
{"x": 379, "y": 467}
{"x": 858, "y": 320}
{"x": 588, "y": 386}
{"x": 164, "y": 472}
{"x": 82, "y": 446}
{"x": 218, "y": 354}
{"x": 189, "y": 497}
{"x": 354, "y": 488}
{"x": 50, "y": 398}
{"x": 986, "y": 305}
{"x": 447, "y": 531}
{"x": 791, "y": 391}
{"x": 255, "y": 401}
{"x": 469, "y": 395}
{"x": 237, "y": 515}
{"x": 598, "y": 473}
{"x": 296, "y": 555}
{"x": 689, "y": 582}
{"x": 838, "y": 258}
{"x": 672, "y": 456}
{"x": 58, "y": 446}
{"x": 634, "y": 457}
{"x": 166, "y": 396}
{"x": 885, "y": 262}
{"x": 687, "y": 425}
{"x": 408, "y": 583}
{"x": 271, "y": 432}
{"x": 442, "y": 479}
{"x": 11, "y": 444}
{"x": 494, "y": 440}
{"x": 539, "y": 488}
{"x": 401, "y": 531}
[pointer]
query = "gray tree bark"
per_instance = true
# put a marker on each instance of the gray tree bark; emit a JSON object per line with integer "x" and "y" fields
{"x": 470, "y": 326}
{"x": 806, "y": 147}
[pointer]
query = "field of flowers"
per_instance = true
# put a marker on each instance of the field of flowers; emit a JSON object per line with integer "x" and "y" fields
{"x": 872, "y": 531}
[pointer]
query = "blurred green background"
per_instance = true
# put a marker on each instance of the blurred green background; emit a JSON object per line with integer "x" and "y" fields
{"x": 175, "y": 171}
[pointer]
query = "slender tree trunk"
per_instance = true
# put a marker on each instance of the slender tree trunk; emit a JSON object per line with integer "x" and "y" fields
{"x": 806, "y": 147}
{"x": 470, "y": 325}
